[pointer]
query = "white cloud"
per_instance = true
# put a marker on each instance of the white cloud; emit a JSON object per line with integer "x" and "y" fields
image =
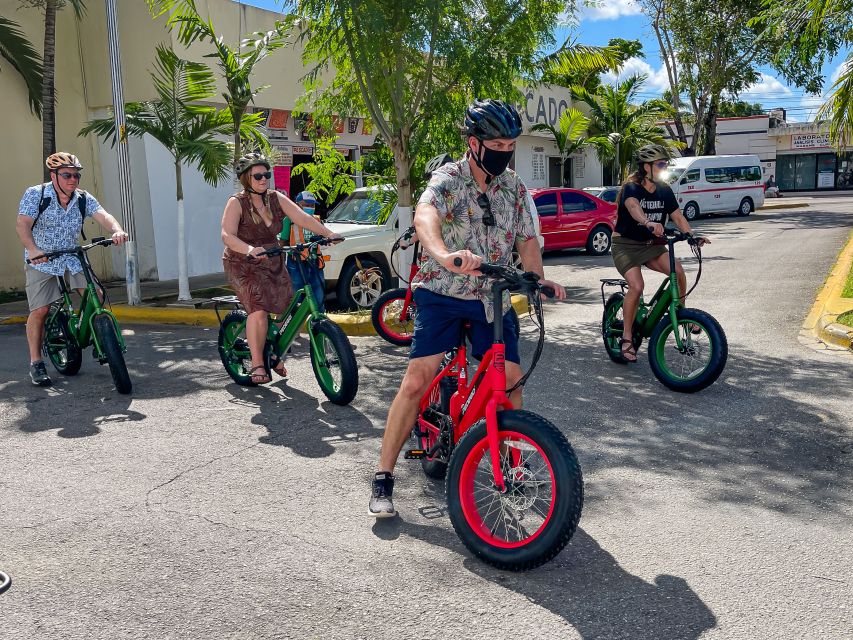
{"x": 657, "y": 81}
{"x": 765, "y": 89}
{"x": 610, "y": 10}
{"x": 839, "y": 70}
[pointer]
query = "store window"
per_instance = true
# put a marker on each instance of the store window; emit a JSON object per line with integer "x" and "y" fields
{"x": 786, "y": 170}
{"x": 804, "y": 178}
{"x": 845, "y": 171}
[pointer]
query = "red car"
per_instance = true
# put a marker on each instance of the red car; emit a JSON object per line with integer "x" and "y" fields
{"x": 571, "y": 218}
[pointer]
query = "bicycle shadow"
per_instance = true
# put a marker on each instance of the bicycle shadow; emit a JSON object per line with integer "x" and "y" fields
{"x": 586, "y": 586}
{"x": 307, "y": 425}
{"x": 93, "y": 408}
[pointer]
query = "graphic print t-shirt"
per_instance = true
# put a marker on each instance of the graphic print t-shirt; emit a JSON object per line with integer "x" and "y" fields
{"x": 657, "y": 206}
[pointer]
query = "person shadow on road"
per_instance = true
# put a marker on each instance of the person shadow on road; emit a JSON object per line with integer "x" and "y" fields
{"x": 586, "y": 586}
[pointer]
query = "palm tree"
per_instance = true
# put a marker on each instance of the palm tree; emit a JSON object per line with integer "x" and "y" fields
{"x": 18, "y": 52}
{"x": 838, "y": 109}
{"x": 192, "y": 133}
{"x": 627, "y": 124}
{"x": 571, "y": 135}
{"x": 48, "y": 91}
{"x": 235, "y": 67}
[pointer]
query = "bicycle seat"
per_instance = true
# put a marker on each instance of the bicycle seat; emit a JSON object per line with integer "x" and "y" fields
{"x": 616, "y": 282}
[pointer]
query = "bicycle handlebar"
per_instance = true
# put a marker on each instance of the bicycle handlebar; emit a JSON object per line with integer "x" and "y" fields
{"x": 677, "y": 236}
{"x": 518, "y": 279}
{"x": 297, "y": 248}
{"x": 96, "y": 242}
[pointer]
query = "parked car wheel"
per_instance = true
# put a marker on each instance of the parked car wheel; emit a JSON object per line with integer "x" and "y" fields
{"x": 691, "y": 211}
{"x": 598, "y": 242}
{"x": 746, "y": 207}
{"x": 360, "y": 288}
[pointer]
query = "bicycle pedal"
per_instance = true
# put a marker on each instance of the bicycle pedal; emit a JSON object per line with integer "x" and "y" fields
{"x": 415, "y": 454}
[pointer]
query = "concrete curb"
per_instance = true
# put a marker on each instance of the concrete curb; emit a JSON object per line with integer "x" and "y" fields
{"x": 829, "y": 304}
{"x": 353, "y": 324}
{"x": 783, "y": 205}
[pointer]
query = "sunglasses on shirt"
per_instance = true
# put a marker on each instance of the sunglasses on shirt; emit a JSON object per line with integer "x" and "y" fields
{"x": 261, "y": 176}
{"x": 67, "y": 175}
{"x": 488, "y": 216}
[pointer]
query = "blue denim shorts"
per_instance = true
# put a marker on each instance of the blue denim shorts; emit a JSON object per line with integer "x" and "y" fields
{"x": 439, "y": 324}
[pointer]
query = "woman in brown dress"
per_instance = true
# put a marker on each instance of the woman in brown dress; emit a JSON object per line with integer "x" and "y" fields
{"x": 250, "y": 224}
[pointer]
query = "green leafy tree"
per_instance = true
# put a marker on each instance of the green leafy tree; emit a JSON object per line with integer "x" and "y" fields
{"x": 48, "y": 89}
{"x": 628, "y": 125}
{"x": 586, "y": 72}
{"x": 22, "y": 56}
{"x": 571, "y": 136}
{"x": 404, "y": 65}
{"x": 810, "y": 33}
{"x": 194, "y": 134}
{"x": 739, "y": 108}
{"x": 709, "y": 50}
{"x": 235, "y": 64}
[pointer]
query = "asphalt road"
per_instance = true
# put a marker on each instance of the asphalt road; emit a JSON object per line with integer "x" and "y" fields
{"x": 197, "y": 509}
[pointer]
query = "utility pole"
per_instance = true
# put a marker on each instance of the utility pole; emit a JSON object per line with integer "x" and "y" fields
{"x": 125, "y": 191}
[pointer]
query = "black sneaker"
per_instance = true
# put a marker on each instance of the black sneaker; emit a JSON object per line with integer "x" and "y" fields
{"x": 381, "y": 505}
{"x": 38, "y": 374}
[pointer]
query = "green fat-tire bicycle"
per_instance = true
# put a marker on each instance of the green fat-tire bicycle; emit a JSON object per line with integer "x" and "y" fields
{"x": 687, "y": 347}
{"x": 332, "y": 357}
{"x": 68, "y": 332}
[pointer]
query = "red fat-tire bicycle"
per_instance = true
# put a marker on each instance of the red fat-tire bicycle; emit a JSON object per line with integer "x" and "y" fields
{"x": 513, "y": 483}
{"x": 393, "y": 313}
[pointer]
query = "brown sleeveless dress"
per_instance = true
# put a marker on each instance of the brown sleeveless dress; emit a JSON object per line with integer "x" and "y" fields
{"x": 261, "y": 285}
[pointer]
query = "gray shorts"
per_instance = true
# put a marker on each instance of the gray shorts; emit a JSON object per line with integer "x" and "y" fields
{"x": 43, "y": 288}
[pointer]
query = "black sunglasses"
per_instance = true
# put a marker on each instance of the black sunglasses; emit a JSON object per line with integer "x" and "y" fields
{"x": 261, "y": 176}
{"x": 488, "y": 216}
{"x": 68, "y": 175}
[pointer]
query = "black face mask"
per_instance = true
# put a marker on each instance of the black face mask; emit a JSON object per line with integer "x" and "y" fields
{"x": 493, "y": 162}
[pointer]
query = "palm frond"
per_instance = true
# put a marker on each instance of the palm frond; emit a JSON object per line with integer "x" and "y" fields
{"x": 838, "y": 109}
{"x": 18, "y": 52}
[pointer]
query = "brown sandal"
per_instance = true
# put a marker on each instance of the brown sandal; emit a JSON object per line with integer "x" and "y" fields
{"x": 629, "y": 354}
{"x": 279, "y": 367}
{"x": 259, "y": 378}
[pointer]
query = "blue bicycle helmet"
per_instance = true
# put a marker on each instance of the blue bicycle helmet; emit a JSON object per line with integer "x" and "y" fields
{"x": 491, "y": 119}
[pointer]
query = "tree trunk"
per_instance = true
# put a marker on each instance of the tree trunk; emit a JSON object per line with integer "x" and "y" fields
{"x": 183, "y": 278}
{"x": 48, "y": 115}
{"x": 709, "y": 147}
{"x": 402, "y": 164}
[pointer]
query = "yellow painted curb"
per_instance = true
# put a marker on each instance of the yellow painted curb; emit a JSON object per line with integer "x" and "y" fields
{"x": 782, "y": 205}
{"x": 353, "y": 324}
{"x": 829, "y": 304}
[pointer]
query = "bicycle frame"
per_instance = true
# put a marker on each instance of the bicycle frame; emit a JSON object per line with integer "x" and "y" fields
{"x": 484, "y": 395}
{"x": 413, "y": 270}
{"x": 665, "y": 300}
{"x": 80, "y": 323}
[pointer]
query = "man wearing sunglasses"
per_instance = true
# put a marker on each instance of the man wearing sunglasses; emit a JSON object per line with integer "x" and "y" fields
{"x": 50, "y": 217}
{"x": 476, "y": 210}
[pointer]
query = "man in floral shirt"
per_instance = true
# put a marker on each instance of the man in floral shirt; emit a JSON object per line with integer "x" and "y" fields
{"x": 475, "y": 210}
{"x": 50, "y": 219}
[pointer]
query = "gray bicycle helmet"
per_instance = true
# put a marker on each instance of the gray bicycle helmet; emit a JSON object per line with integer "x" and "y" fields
{"x": 250, "y": 160}
{"x": 435, "y": 163}
{"x": 653, "y": 153}
{"x": 491, "y": 119}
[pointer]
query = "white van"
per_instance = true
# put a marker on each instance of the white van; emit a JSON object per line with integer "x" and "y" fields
{"x": 711, "y": 184}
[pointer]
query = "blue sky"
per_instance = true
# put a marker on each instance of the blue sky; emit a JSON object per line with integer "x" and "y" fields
{"x": 622, "y": 18}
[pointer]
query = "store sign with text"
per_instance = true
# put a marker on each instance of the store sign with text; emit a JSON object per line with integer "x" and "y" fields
{"x": 543, "y": 105}
{"x": 809, "y": 140}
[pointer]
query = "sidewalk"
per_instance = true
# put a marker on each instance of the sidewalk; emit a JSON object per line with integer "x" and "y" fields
{"x": 829, "y": 305}
{"x": 154, "y": 310}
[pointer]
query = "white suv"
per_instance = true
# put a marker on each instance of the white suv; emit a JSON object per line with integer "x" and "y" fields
{"x": 368, "y": 243}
